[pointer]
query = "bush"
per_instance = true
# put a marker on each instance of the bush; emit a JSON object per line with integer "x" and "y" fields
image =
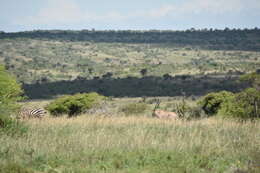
{"x": 244, "y": 105}
{"x": 10, "y": 92}
{"x": 134, "y": 108}
{"x": 73, "y": 105}
{"x": 212, "y": 102}
{"x": 186, "y": 111}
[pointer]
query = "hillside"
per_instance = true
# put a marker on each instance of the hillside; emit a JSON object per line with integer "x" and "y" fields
{"x": 47, "y": 58}
{"x": 227, "y": 39}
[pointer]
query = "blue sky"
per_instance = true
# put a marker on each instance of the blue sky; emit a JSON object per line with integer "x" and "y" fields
{"x": 21, "y": 15}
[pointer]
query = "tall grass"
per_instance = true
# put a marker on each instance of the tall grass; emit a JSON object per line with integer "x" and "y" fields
{"x": 134, "y": 144}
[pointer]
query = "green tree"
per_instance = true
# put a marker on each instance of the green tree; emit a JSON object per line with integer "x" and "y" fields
{"x": 10, "y": 92}
{"x": 244, "y": 105}
{"x": 143, "y": 72}
{"x": 212, "y": 102}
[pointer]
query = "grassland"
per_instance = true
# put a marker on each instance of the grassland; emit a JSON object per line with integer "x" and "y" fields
{"x": 34, "y": 60}
{"x": 137, "y": 143}
{"x": 134, "y": 144}
{"x": 105, "y": 139}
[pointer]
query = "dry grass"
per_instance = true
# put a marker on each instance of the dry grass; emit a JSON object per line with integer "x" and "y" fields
{"x": 134, "y": 144}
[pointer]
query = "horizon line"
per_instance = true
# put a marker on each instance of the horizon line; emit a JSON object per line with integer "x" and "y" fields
{"x": 143, "y": 30}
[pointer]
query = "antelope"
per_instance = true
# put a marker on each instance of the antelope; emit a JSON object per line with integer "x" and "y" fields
{"x": 163, "y": 114}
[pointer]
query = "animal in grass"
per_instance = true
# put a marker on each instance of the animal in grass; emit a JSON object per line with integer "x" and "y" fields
{"x": 25, "y": 113}
{"x": 163, "y": 114}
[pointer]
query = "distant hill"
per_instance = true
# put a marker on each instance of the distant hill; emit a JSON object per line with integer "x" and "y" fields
{"x": 49, "y": 58}
{"x": 235, "y": 39}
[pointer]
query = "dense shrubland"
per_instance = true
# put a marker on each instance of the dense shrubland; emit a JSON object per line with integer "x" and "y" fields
{"x": 136, "y": 87}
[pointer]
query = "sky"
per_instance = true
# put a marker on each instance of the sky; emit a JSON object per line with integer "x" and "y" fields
{"x": 23, "y": 15}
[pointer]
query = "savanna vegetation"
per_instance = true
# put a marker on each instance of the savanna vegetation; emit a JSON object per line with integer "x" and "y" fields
{"x": 123, "y": 137}
{"x": 101, "y": 88}
{"x": 210, "y": 60}
{"x": 132, "y": 144}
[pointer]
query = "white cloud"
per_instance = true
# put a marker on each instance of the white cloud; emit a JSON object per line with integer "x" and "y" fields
{"x": 57, "y": 12}
{"x": 69, "y": 12}
{"x": 161, "y": 12}
{"x": 191, "y": 7}
{"x": 213, "y": 6}
{"x": 206, "y": 7}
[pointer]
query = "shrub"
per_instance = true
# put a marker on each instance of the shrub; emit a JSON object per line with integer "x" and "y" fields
{"x": 182, "y": 109}
{"x": 244, "y": 105}
{"x": 212, "y": 102}
{"x": 73, "y": 105}
{"x": 10, "y": 92}
{"x": 186, "y": 111}
{"x": 134, "y": 108}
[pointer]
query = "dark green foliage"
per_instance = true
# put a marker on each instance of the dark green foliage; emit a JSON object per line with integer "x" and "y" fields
{"x": 143, "y": 72}
{"x": 134, "y": 108}
{"x": 14, "y": 168}
{"x": 74, "y": 104}
{"x": 167, "y": 76}
{"x": 209, "y": 39}
{"x": 134, "y": 86}
{"x": 212, "y": 102}
{"x": 244, "y": 105}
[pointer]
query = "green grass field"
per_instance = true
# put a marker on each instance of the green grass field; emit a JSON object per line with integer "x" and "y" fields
{"x": 134, "y": 144}
{"x": 96, "y": 143}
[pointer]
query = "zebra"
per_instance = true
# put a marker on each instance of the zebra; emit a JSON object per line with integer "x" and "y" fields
{"x": 31, "y": 113}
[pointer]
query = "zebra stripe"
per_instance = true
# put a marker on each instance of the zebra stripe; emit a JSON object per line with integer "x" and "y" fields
{"x": 32, "y": 113}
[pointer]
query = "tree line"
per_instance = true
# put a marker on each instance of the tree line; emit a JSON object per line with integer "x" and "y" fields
{"x": 227, "y": 39}
{"x": 135, "y": 87}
